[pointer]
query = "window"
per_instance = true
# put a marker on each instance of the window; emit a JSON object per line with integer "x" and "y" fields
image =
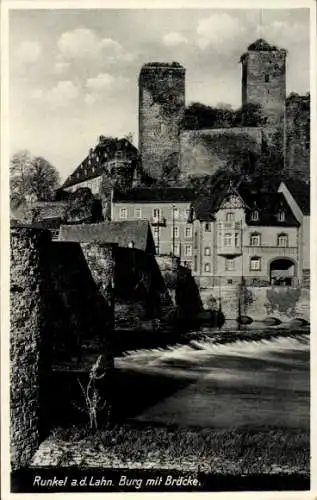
{"x": 281, "y": 216}
{"x": 207, "y": 251}
{"x": 176, "y": 232}
{"x": 138, "y": 213}
{"x": 177, "y": 249}
{"x": 188, "y": 232}
{"x": 188, "y": 250}
{"x": 282, "y": 240}
{"x": 123, "y": 213}
{"x": 118, "y": 155}
{"x": 156, "y": 213}
{"x": 229, "y": 217}
{"x": 187, "y": 213}
{"x": 255, "y": 215}
{"x": 207, "y": 267}
{"x": 255, "y": 264}
{"x": 228, "y": 240}
{"x": 175, "y": 213}
{"x": 267, "y": 78}
{"x": 208, "y": 227}
{"x": 255, "y": 240}
{"x": 156, "y": 230}
{"x": 230, "y": 264}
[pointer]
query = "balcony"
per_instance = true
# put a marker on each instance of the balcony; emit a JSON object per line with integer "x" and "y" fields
{"x": 277, "y": 251}
{"x": 158, "y": 221}
{"x": 231, "y": 250}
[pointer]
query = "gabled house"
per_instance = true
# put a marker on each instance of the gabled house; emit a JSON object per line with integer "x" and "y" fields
{"x": 243, "y": 235}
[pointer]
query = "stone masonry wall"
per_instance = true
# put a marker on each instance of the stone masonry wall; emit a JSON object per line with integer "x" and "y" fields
{"x": 82, "y": 277}
{"x": 29, "y": 340}
{"x": 161, "y": 112}
{"x": 259, "y": 303}
{"x": 298, "y": 136}
{"x": 203, "y": 152}
{"x": 265, "y": 83}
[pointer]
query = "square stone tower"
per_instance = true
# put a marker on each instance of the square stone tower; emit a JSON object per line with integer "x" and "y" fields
{"x": 264, "y": 80}
{"x": 161, "y": 113}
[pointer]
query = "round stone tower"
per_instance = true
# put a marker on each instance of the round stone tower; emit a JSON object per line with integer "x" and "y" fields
{"x": 264, "y": 80}
{"x": 161, "y": 112}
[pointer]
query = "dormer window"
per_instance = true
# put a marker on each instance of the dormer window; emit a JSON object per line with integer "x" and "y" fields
{"x": 281, "y": 216}
{"x": 255, "y": 216}
{"x": 229, "y": 217}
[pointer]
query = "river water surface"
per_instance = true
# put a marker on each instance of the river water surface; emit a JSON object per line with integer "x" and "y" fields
{"x": 245, "y": 383}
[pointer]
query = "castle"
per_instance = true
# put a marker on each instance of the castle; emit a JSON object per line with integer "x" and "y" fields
{"x": 231, "y": 233}
{"x": 165, "y": 142}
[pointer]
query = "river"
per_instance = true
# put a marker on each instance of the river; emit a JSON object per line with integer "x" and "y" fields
{"x": 247, "y": 383}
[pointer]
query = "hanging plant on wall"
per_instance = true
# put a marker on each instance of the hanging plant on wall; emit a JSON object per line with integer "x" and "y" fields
{"x": 282, "y": 300}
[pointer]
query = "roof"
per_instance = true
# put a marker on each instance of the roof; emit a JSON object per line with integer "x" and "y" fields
{"x": 206, "y": 205}
{"x": 261, "y": 45}
{"x": 121, "y": 233}
{"x": 154, "y": 195}
{"x": 42, "y": 210}
{"x": 156, "y": 64}
{"x": 52, "y": 223}
{"x": 300, "y": 191}
{"x": 93, "y": 164}
{"x": 268, "y": 205}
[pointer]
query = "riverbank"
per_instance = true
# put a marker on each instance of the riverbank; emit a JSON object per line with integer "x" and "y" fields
{"x": 235, "y": 452}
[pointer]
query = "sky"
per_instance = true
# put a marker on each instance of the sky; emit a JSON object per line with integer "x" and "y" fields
{"x": 73, "y": 73}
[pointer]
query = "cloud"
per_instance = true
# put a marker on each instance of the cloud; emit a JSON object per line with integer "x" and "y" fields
{"x": 61, "y": 95}
{"x": 84, "y": 43}
{"x": 61, "y": 66}
{"x": 218, "y": 31}
{"x": 101, "y": 84}
{"x": 28, "y": 52}
{"x": 174, "y": 39}
{"x": 287, "y": 34}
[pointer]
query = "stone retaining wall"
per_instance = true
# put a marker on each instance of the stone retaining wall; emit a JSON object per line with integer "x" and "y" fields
{"x": 29, "y": 340}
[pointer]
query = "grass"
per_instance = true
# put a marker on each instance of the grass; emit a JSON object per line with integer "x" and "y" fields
{"x": 235, "y": 452}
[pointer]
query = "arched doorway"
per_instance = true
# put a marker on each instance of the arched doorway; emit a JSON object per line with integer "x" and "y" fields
{"x": 282, "y": 272}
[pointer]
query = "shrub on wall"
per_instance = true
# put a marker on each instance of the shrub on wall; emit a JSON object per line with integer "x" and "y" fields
{"x": 282, "y": 300}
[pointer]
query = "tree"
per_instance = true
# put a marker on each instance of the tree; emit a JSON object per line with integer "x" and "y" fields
{"x": 171, "y": 171}
{"x": 32, "y": 178}
{"x": 83, "y": 206}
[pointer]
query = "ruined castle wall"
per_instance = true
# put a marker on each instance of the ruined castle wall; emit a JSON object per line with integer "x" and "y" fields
{"x": 29, "y": 340}
{"x": 264, "y": 83}
{"x": 203, "y": 152}
{"x": 161, "y": 112}
{"x": 298, "y": 137}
